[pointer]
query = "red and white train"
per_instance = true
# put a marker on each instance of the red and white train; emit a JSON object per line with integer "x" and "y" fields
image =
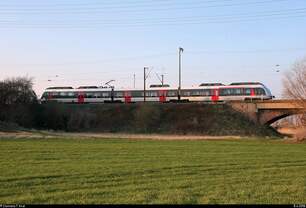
{"x": 209, "y": 92}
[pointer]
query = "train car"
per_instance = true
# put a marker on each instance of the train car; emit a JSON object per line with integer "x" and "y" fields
{"x": 78, "y": 95}
{"x": 207, "y": 92}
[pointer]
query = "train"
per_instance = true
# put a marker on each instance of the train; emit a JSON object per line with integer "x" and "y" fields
{"x": 205, "y": 92}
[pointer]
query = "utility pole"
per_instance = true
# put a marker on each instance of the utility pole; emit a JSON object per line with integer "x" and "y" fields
{"x": 162, "y": 80}
{"x": 112, "y": 89}
{"x": 144, "y": 84}
{"x": 134, "y": 81}
{"x": 145, "y": 76}
{"x": 180, "y": 76}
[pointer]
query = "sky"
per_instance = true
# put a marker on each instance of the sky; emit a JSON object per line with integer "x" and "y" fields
{"x": 74, "y": 42}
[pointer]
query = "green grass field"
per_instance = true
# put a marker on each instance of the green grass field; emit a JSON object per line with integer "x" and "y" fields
{"x": 96, "y": 171}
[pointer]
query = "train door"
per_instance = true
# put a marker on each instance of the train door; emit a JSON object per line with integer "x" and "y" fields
{"x": 81, "y": 97}
{"x": 127, "y": 97}
{"x": 215, "y": 95}
{"x": 162, "y": 96}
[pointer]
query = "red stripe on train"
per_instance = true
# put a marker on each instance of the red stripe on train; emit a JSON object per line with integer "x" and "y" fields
{"x": 127, "y": 97}
{"x": 162, "y": 95}
{"x": 252, "y": 92}
{"x": 81, "y": 97}
{"x": 215, "y": 95}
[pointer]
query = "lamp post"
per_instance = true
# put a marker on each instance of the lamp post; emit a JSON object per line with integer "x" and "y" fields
{"x": 145, "y": 76}
{"x": 180, "y": 73}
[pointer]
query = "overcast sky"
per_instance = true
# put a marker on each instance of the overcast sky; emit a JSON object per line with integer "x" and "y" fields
{"x": 73, "y": 42}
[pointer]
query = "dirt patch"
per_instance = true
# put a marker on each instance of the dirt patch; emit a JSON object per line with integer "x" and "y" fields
{"x": 24, "y": 134}
{"x": 296, "y": 133}
{"x": 44, "y": 134}
{"x": 152, "y": 136}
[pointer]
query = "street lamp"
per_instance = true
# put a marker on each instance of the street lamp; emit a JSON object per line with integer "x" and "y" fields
{"x": 180, "y": 76}
{"x": 145, "y": 76}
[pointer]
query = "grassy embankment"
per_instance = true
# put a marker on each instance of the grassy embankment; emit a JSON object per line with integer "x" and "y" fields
{"x": 71, "y": 170}
{"x": 188, "y": 118}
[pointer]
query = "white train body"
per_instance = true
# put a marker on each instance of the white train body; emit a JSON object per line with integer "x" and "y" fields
{"x": 215, "y": 93}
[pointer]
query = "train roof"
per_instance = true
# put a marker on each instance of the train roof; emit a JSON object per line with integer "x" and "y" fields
{"x": 246, "y": 83}
{"x": 94, "y": 89}
{"x": 88, "y": 87}
{"x": 59, "y": 88}
{"x": 159, "y": 85}
{"x": 211, "y": 84}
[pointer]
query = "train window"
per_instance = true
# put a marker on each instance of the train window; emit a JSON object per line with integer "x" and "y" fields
{"x": 206, "y": 92}
{"x": 70, "y": 94}
{"x": 89, "y": 95}
{"x": 118, "y": 94}
{"x": 154, "y": 94}
{"x": 105, "y": 94}
{"x": 196, "y": 92}
{"x": 247, "y": 91}
{"x": 186, "y": 92}
{"x": 44, "y": 95}
{"x": 137, "y": 93}
{"x": 225, "y": 92}
{"x": 63, "y": 94}
{"x": 172, "y": 93}
{"x": 222, "y": 92}
{"x": 237, "y": 91}
{"x": 55, "y": 94}
{"x": 259, "y": 91}
{"x": 96, "y": 94}
{"x": 151, "y": 94}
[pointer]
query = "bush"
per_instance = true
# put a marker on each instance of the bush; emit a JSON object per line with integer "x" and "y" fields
{"x": 147, "y": 118}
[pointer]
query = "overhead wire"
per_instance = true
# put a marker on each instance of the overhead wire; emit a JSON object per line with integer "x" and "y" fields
{"x": 128, "y": 58}
{"x": 184, "y": 18}
{"x": 187, "y": 52}
{"x": 95, "y": 21}
{"x": 88, "y": 25}
{"x": 112, "y": 5}
{"x": 245, "y": 51}
{"x": 7, "y": 25}
{"x": 132, "y": 8}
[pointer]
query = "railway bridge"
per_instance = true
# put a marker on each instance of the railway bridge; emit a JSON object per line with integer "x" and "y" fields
{"x": 267, "y": 112}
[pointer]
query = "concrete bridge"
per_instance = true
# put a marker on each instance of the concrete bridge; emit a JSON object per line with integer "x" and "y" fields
{"x": 267, "y": 112}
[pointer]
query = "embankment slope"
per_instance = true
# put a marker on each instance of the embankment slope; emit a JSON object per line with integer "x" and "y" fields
{"x": 187, "y": 118}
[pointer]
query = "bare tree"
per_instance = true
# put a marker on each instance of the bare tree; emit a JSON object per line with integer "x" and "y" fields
{"x": 295, "y": 88}
{"x": 17, "y": 91}
{"x": 295, "y": 83}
